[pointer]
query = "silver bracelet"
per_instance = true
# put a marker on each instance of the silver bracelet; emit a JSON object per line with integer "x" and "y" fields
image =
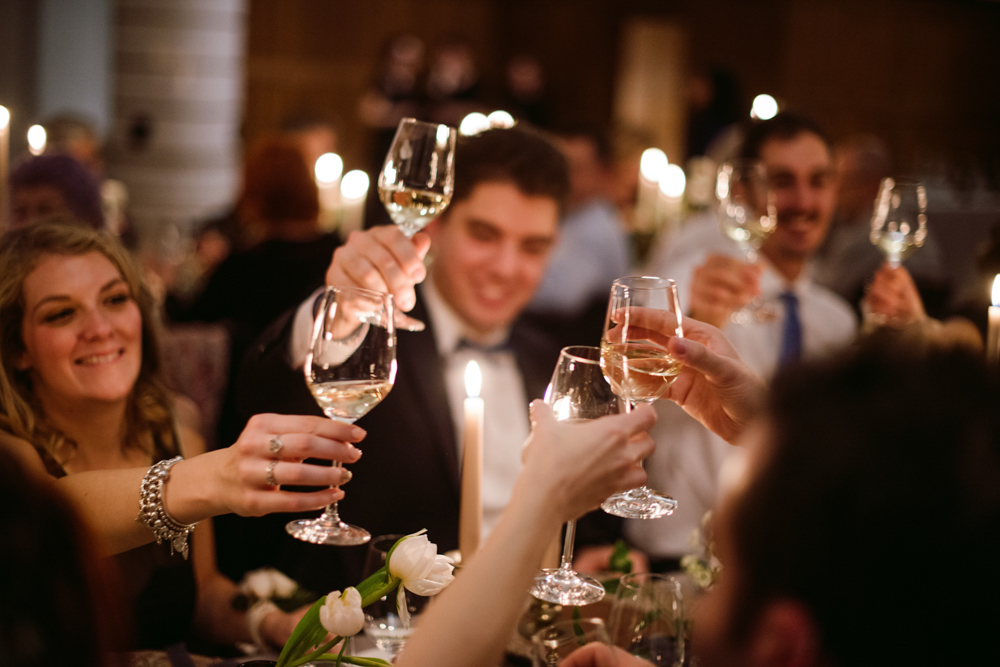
{"x": 154, "y": 515}
{"x": 255, "y": 619}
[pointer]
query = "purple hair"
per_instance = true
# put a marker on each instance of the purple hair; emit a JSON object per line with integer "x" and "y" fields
{"x": 77, "y": 185}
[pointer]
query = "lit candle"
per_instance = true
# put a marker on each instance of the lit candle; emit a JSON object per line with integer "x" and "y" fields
{"x": 328, "y": 170}
{"x": 470, "y": 522}
{"x": 4, "y": 151}
{"x": 651, "y": 168}
{"x": 353, "y": 190}
{"x": 993, "y": 333}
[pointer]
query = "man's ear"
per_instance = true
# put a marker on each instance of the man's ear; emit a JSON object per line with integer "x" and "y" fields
{"x": 785, "y": 635}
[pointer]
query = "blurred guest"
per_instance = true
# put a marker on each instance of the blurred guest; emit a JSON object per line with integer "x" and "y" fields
{"x": 490, "y": 248}
{"x": 250, "y": 288}
{"x": 524, "y": 88}
{"x": 806, "y": 319}
{"x": 452, "y": 83}
{"x": 848, "y": 259}
{"x": 395, "y": 91}
{"x": 54, "y": 186}
{"x": 592, "y": 249}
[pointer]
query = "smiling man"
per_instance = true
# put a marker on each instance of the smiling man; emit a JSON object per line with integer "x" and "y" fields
{"x": 488, "y": 253}
{"x": 806, "y": 319}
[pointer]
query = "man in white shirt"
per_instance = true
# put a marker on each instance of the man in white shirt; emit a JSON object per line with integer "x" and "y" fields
{"x": 715, "y": 282}
{"x": 489, "y": 251}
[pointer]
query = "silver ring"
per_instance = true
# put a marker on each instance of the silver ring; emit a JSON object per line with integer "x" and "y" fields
{"x": 276, "y": 445}
{"x": 271, "y": 481}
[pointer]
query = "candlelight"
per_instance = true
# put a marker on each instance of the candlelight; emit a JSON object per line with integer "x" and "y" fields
{"x": 995, "y": 296}
{"x": 4, "y": 117}
{"x": 473, "y": 380}
{"x": 329, "y": 168}
{"x": 764, "y": 107}
{"x": 443, "y": 135}
{"x": 36, "y": 139}
{"x": 474, "y": 123}
{"x": 652, "y": 164}
{"x": 500, "y": 118}
{"x": 354, "y": 185}
{"x": 673, "y": 181}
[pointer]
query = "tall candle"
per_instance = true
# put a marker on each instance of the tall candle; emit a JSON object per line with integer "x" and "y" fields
{"x": 4, "y": 162}
{"x": 353, "y": 191}
{"x": 470, "y": 522}
{"x": 327, "y": 172}
{"x": 993, "y": 333}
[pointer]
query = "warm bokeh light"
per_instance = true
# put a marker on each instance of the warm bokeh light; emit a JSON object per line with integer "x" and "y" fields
{"x": 500, "y": 118}
{"x": 473, "y": 379}
{"x": 4, "y": 117}
{"x": 996, "y": 291}
{"x": 443, "y": 134}
{"x": 354, "y": 185}
{"x": 764, "y": 107}
{"x": 652, "y": 164}
{"x": 329, "y": 168}
{"x": 474, "y": 123}
{"x": 673, "y": 181}
{"x": 36, "y": 139}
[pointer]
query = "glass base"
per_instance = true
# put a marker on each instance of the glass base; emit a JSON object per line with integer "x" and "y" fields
{"x": 641, "y": 503}
{"x": 566, "y": 587}
{"x": 324, "y": 531}
{"x": 754, "y": 312}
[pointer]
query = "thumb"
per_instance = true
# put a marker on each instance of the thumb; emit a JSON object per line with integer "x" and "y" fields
{"x": 540, "y": 414}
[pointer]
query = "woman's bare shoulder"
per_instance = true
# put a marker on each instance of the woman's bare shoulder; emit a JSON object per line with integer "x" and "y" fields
{"x": 23, "y": 451}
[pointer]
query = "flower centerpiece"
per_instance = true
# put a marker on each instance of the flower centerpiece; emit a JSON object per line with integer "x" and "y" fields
{"x": 412, "y": 564}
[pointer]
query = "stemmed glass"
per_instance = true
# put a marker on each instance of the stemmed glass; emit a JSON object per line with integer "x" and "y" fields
{"x": 639, "y": 368}
{"x": 578, "y": 392}
{"x": 748, "y": 216}
{"x": 382, "y": 622}
{"x": 417, "y": 180}
{"x": 349, "y": 369}
{"x": 899, "y": 224}
{"x": 647, "y": 618}
{"x": 556, "y": 642}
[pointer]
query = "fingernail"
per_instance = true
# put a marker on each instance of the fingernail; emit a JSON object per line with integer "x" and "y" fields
{"x": 680, "y": 348}
{"x": 345, "y": 476}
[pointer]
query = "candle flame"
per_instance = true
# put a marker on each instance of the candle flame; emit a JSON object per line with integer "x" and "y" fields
{"x": 473, "y": 380}
{"x": 329, "y": 168}
{"x": 36, "y": 139}
{"x": 996, "y": 291}
{"x": 4, "y": 117}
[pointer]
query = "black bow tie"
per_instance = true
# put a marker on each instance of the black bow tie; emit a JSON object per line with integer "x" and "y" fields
{"x": 466, "y": 344}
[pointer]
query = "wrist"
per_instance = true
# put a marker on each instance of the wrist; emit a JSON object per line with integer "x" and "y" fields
{"x": 189, "y": 496}
{"x": 262, "y": 618}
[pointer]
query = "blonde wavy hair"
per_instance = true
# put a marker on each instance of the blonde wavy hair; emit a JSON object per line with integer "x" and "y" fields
{"x": 149, "y": 419}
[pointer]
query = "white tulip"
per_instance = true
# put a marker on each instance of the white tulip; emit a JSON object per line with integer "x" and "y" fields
{"x": 416, "y": 561}
{"x": 341, "y": 615}
{"x": 266, "y": 583}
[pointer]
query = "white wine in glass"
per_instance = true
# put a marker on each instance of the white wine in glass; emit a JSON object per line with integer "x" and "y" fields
{"x": 748, "y": 215}
{"x": 899, "y": 223}
{"x": 578, "y": 392}
{"x": 349, "y": 369}
{"x": 643, "y": 311}
{"x": 418, "y": 175}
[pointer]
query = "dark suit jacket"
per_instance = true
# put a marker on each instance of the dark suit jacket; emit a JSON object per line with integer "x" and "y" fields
{"x": 408, "y": 476}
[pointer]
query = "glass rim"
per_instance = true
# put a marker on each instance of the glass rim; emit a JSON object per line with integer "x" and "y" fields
{"x": 576, "y": 356}
{"x": 414, "y": 121}
{"x": 639, "y": 282}
{"x": 629, "y": 580}
{"x": 382, "y": 538}
{"x": 363, "y": 291}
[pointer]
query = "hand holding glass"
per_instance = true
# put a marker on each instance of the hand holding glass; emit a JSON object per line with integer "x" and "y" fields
{"x": 349, "y": 369}
{"x": 578, "y": 392}
{"x": 636, "y": 363}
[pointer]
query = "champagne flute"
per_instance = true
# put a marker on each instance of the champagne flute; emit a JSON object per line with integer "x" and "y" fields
{"x": 639, "y": 369}
{"x": 899, "y": 224}
{"x": 349, "y": 369}
{"x": 647, "y": 618}
{"x": 382, "y": 622}
{"x": 417, "y": 180}
{"x": 578, "y": 392}
{"x": 748, "y": 216}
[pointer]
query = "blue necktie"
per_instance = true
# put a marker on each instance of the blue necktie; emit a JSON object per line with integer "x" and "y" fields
{"x": 791, "y": 335}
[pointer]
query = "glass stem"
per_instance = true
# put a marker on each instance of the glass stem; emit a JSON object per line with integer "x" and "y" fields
{"x": 330, "y": 513}
{"x": 566, "y": 562}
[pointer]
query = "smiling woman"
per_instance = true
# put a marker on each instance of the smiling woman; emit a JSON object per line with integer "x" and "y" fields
{"x": 83, "y": 403}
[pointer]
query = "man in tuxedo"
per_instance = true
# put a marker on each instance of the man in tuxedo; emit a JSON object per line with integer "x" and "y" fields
{"x": 489, "y": 251}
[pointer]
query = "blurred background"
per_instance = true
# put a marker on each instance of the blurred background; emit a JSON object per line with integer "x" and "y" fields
{"x": 175, "y": 89}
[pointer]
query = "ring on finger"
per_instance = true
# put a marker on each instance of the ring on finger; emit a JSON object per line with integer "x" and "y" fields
{"x": 276, "y": 445}
{"x": 271, "y": 481}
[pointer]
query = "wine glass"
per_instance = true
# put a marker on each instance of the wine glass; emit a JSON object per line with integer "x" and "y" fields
{"x": 647, "y": 618}
{"x": 899, "y": 224}
{"x": 382, "y": 622}
{"x": 417, "y": 180}
{"x": 578, "y": 392}
{"x": 556, "y": 642}
{"x": 639, "y": 369}
{"x": 349, "y": 369}
{"x": 748, "y": 216}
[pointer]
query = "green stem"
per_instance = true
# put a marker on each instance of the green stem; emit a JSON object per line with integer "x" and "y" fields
{"x": 340, "y": 656}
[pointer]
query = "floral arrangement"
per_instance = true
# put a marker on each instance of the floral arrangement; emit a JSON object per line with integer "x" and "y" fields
{"x": 412, "y": 564}
{"x": 703, "y": 569}
{"x": 269, "y": 585}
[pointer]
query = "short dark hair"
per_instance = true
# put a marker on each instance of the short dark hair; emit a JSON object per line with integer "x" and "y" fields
{"x": 784, "y": 126}
{"x": 517, "y": 155}
{"x": 78, "y": 187}
{"x": 883, "y": 471}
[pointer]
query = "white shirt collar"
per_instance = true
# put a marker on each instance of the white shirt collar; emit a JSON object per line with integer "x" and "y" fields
{"x": 449, "y": 327}
{"x": 773, "y": 283}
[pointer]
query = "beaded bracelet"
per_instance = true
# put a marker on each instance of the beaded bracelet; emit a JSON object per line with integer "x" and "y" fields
{"x": 154, "y": 515}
